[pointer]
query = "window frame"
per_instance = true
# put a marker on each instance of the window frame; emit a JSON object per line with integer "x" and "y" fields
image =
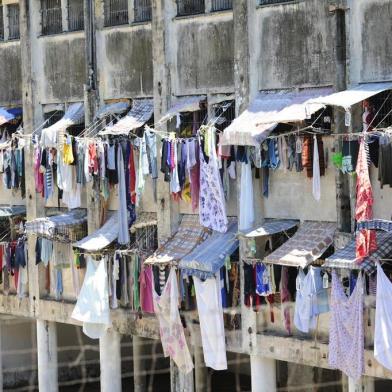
{"x": 180, "y": 7}
{"x": 77, "y": 24}
{"x": 219, "y": 5}
{"x": 46, "y": 28}
{"x": 16, "y": 33}
{"x": 122, "y": 14}
{"x": 146, "y": 12}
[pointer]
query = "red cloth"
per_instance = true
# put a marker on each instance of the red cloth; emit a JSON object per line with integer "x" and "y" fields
{"x": 93, "y": 158}
{"x": 366, "y": 242}
{"x": 132, "y": 176}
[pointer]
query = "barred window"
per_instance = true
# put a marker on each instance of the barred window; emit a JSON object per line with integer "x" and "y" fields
{"x": 75, "y": 15}
{"x": 116, "y": 12}
{"x": 190, "y": 7}
{"x": 220, "y": 5}
{"x": 142, "y": 10}
{"x": 13, "y": 21}
{"x": 51, "y": 17}
{"x": 1, "y": 24}
{"x": 267, "y": 2}
{"x": 52, "y": 117}
{"x": 224, "y": 114}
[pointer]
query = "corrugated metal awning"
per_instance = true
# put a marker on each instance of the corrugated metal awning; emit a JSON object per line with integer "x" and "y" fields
{"x": 9, "y": 211}
{"x": 268, "y": 109}
{"x": 310, "y": 241}
{"x": 112, "y": 108}
{"x": 189, "y": 235}
{"x": 345, "y": 258}
{"x": 207, "y": 258}
{"x": 141, "y": 112}
{"x": 270, "y": 227}
{"x": 354, "y": 95}
{"x": 5, "y": 116}
{"x": 184, "y": 104}
{"x": 73, "y": 115}
{"x": 102, "y": 237}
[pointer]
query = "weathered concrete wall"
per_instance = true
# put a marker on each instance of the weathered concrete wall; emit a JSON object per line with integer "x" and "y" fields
{"x": 62, "y": 73}
{"x": 292, "y": 45}
{"x": 10, "y": 74}
{"x": 371, "y": 46}
{"x": 125, "y": 62}
{"x": 203, "y": 54}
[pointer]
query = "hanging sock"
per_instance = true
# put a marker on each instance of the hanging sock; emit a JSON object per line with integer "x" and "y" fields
{"x": 316, "y": 170}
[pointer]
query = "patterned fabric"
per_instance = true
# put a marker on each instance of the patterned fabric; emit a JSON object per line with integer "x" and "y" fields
{"x": 310, "y": 241}
{"x": 207, "y": 258}
{"x": 212, "y": 205}
{"x": 345, "y": 258}
{"x": 346, "y": 334}
{"x": 375, "y": 224}
{"x": 271, "y": 226}
{"x": 170, "y": 326}
{"x": 366, "y": 241}
{"x": 189, "y": 235}
{"x": 51, "y": 225}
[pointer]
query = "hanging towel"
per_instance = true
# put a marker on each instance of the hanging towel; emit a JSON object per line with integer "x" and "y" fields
{"x": 382, "y": 333}
{"x": 247, "y": 218}
{"x": 92, "y": 306}
{"x": 316, "y": 170}
{"x": 346, "y": 334}
{"x": 209, "y": 306}
{"x": 171, "y": 329}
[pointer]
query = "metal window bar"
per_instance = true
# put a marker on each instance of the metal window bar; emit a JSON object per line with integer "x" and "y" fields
{"x": 382, "y": 107}
{"x": 267, "y": 2}
{"x": 190, "y": 7}
{"x": 1, "y": 24}
{"x": 142, "y": 10}
{"x": 75, "y": 15}
{"x": 51, "y": 17}
{"x": 116, "y": 12}
{"x": 53, "y": 117}
{"x": 221, "y": 5}
{"x": 13, "y": 21}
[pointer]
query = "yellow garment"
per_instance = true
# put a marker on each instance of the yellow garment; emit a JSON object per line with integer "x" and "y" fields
{"x": 68, "y": 157}
{"x": 186, "y": 193}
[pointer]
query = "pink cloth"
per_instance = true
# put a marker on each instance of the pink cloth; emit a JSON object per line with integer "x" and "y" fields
{"x": 366, "y": 242}
{"x": 146, "y": 300}
{"x": 285, "y": 298}
{"x": 39, "y": 177}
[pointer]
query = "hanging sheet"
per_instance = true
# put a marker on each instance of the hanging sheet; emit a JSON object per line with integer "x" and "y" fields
{"x": 268, "y": 109}
{"x": 189, "y": 235}
{"x": 353, "y": 95}
{"x": 73, "y": 115}
{"x": 141, "y": 112}
{"x": 207, "y": 258}
{"x": 310, "y": 241}
{"x": 270, "y": 227}
{"x": 345, "y": 258}
{"x": 101, "y": 238}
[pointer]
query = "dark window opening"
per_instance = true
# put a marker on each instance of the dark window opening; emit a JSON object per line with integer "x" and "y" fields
{"x": 267, "y": 2}
{"x": 224, "y": 114}
{"x": 190, "y": 7}
{"x": 52, "y": 117}
{"x": 142, "y": 10}
{"x": 75, "y": 15}
{"x": 13, "y": 21}
{"x": 190, "y": 122}
{"x": 221, "y": 5}
{"x": 51, "y": 17}
{"x": 116, "y": 12}
{"x": 1, "y": 24}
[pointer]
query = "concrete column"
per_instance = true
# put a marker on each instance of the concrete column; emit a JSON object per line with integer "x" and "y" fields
{"x": 139, "y": 377}
{"x": 47, "y": 356}
{"x": 364, "y": 384}
{"x": 263, "y": 374}
{"x": 110, "y": 362}
{"x": 201, "y": 372}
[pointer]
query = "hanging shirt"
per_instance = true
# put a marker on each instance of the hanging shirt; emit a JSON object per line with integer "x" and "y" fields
{"x": 316, "y": 171}
{"x": 383, "y": 320}
{"x": 346, "y": 329}
{"x": 209, "y": 306}
{"x": 92, "y": 306}
{"x": 146, "y": 287}
{"x": 171, "y": 329}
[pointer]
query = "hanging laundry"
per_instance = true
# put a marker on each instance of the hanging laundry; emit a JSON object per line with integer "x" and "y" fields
{"x": 349, "y": 155}
{"x": 346, "y": 329}
{"x": 92, "y": 306}
{"x": 209, "y": 306}
{"x": 247, "y": 209}
{"x": 146, "y": 287}
{"x": 308, "y": 155}
{"x": 294, "y": 153}
{"x": 316, "y": 171}
{"x": 212, "y": 205}
{"x": 366, "y": 241}
{"x": 286, "y": 299}
{"x": 123, "y": 235}
{"x": 171, "y": 329}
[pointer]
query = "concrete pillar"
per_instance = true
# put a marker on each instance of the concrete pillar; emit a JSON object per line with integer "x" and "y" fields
{"x": 139, "y": 377}
{"x": 47, "y": 356}
{"x": 364, "y": 384}
{"x": 201, "y": 372}
{"x": 110, "y": 362}
{"x": 263, "y": 374}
